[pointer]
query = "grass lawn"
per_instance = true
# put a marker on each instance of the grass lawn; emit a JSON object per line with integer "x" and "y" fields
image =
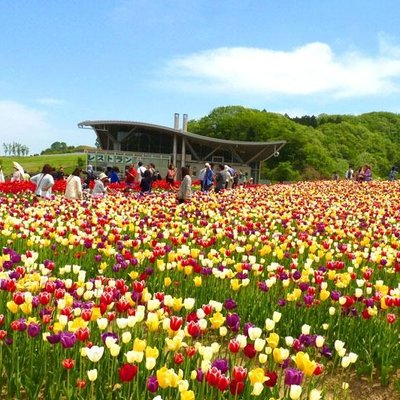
{"x": 34, "y": 164}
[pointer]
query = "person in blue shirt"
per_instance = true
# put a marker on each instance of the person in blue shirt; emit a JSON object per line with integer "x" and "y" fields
{"x": 208, "y": 179}
{"x": 114, "y": 178}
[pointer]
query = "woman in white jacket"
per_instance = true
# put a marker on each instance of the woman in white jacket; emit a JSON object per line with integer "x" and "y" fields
{"x": 73, "y": 190}
{"x": 44, "y": 182}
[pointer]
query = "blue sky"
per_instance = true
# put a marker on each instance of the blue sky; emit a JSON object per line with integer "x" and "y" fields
{"x": 62, "y": 62}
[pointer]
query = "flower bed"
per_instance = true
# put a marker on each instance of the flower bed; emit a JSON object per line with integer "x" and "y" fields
{"x": 261, "y": 291}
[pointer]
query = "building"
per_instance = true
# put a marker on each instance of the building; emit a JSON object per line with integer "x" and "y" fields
{"x": 126, "y": 142}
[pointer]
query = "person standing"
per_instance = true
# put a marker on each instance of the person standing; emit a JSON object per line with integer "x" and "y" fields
{"x": 171, "y": 173}
{"x": 60, "y": 175}
{"x": 114, "y": 178}
{"x": 349, "y": 173}
{"x": 208, "y": 179}
{"x": 367, "y": 173}
{"x": 146, "y": 182}
{"x": 220, "y": 179}
{"x": 140, "y": 170}
{"x": 2, "y": 180}
{"x": 202, "y": 173}
{"x": 130, "y": 176}
{"x": 44, "y": 182}
{"x": 392, "y": 174}
{"x": 16, "y": 176}
{"x": 73, "y": 190}
{"x": 229, "y": 177}
{"x": 185, "y": 189}
{"x": 100, "y": 185}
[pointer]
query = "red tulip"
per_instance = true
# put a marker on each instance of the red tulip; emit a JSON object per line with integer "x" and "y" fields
{"x": 391, "y": 318}
{"x": 138, "y": 286}
{"x": 80, "y": 383}
{"x": 179, "y": 358}
{"x": 127, "y": 372}
{"x": 44, "y": 298}
{"x": 319, "y": 369}
{"x": 207, "y": 309}
{"x": 86, "y": 315}
{"x": 234, "y": 346}
{"x": 175, "y": 323}
{"x": 82, "y": 334}
{"x": 272, "y": 378}
{"x": 212, "y": 376}
{"x": 19, "y": 298}
{"x": 239, "y": 373}
{"x": 68, "y": 363}
{"x": 250, "y": 351}
{"x": 190, "y": 351}
{"x": 193, "y": 329}
{"x": 223, "y": 383}
{"x": 236, "y": 388}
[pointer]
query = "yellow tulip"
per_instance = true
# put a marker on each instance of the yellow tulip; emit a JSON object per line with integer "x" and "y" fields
{"x": 139, "y": 345}
{"x": 197, "y": 281}
{"x": 187, "y": 395}
{"x": 217, "y": 320}
{"x": 257, "y": 376}
{"x": 13, "y": 307}
{"x": 273, "y": 340}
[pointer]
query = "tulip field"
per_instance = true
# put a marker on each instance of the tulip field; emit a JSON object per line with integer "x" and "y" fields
{"x": 269, "y": 291}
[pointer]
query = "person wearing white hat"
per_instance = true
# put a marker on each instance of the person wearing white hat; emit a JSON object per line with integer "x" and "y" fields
{"x": 17, "y": 175}
{"x": 100, "y": 185}
{"x": 202, "y": 174}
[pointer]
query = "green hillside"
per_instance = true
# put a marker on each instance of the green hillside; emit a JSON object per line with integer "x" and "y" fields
{"x": 34, "y": 164}
{"x": 316, "y": 146}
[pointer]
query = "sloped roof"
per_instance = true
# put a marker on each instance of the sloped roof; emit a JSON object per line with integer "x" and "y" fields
{"x": 254, "y": 151}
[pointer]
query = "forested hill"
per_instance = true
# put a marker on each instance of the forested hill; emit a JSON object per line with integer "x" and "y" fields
{"x": 317, "y": 146}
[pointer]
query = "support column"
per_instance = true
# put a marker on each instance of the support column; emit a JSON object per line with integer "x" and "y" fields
{"x": 183, "y": 155}
{"x": 175, "y": 142}
{"x": 175, "y": 149}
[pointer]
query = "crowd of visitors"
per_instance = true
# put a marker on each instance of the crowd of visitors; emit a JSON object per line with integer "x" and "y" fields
{"x": 81, "y": 184}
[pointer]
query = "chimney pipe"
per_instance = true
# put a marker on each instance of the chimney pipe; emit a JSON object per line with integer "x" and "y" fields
{"x": 185, "y": 122}
{"x": 176, "y": 121}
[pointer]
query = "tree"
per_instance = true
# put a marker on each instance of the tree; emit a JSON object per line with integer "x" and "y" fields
{"x": 316, "y": 146}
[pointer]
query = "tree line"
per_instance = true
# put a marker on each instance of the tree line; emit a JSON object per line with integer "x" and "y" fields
{"x": 317, "y": 146}
{"x": 15, "y": 149}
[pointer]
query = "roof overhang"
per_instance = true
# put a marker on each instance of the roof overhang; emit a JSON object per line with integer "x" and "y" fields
{"x": 255, "y": 151}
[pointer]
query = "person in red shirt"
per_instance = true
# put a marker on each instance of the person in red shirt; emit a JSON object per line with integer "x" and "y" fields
{"x": 130, "y": 176}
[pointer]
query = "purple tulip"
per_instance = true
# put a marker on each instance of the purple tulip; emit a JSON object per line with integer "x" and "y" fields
{"x": 54, "y": 339}
{"x": 67, "y": 339}
{"x": 33, "y": 329}
{"x": 335, "y": 295}
{"x": 326, "y": 351}
{"x": 230, "y": 304}
{"x": 105, "y": 335}
{"x": 293, "y": 376}
{"x": 263, "y": 286}
{"x": 233, "y": 322}
{"x": 308, "y": 299}
{"x": 200, "y": 375}
{"x": 152, "y": 384}
{"x": 303, "y": 286}
{"x": 246, "y": 328}
{"x": 221, "y": 364}
{"x": 296, "y": 275}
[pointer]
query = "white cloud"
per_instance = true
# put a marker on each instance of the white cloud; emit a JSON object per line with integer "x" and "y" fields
{"x": 31, "y": 127}
{"x": 312, "y": 69}
{"x": 49, "y": 101}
